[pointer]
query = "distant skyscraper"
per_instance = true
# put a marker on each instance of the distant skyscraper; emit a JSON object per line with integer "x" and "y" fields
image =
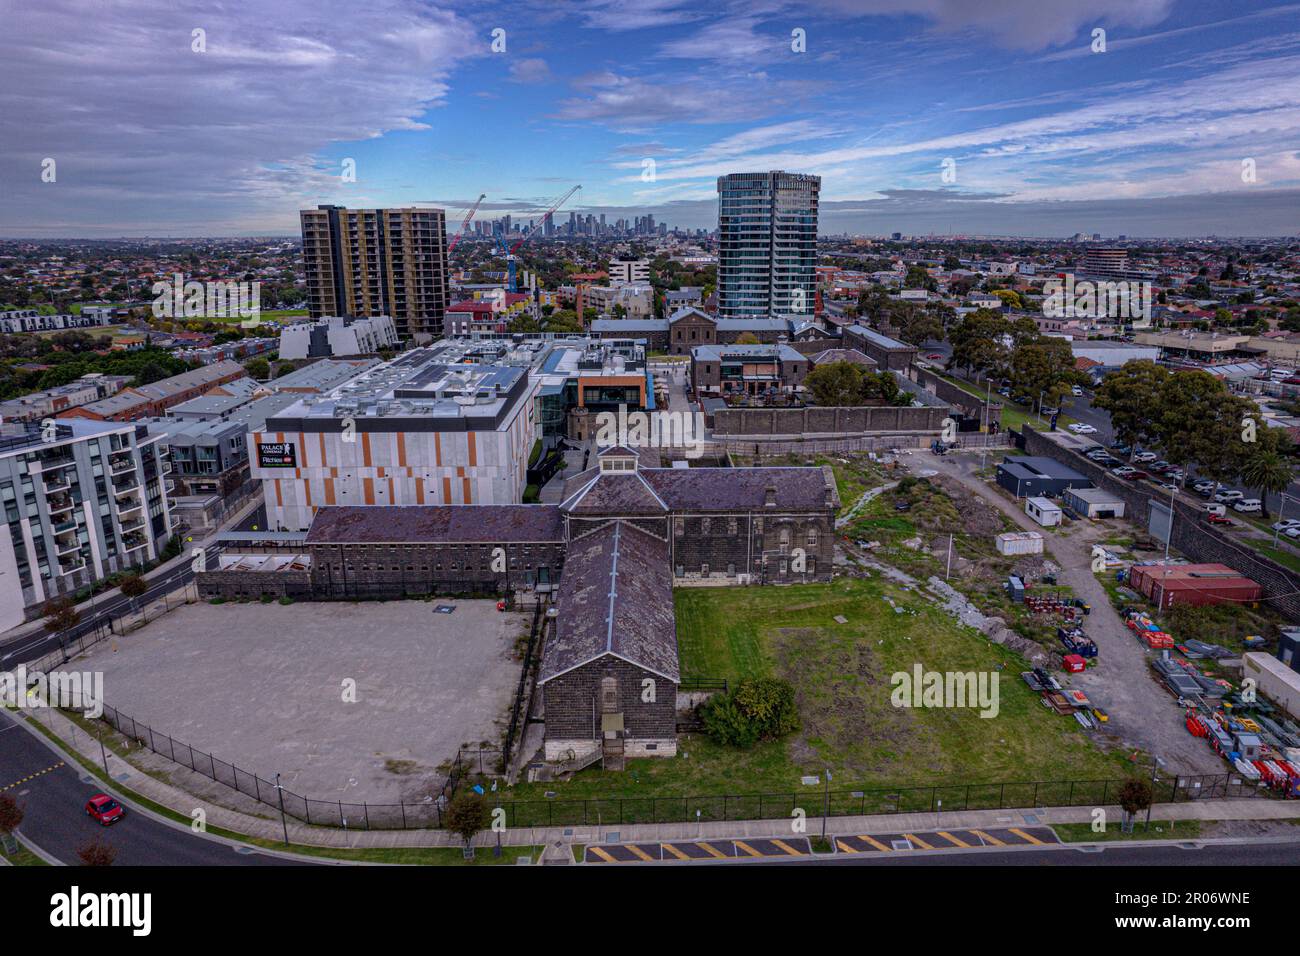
{"x": 367, "y": 262}
{"x": 767, "y": 243}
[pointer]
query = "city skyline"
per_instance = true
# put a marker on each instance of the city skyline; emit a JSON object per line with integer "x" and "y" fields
{"x": 1012, "y": 121}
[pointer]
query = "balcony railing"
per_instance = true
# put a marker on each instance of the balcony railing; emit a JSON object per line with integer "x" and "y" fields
{"x": 134, "y": 543}
{"x": 121, "y": 465}
{"x": 78, "y": 563}
{"x": 56, "y": 485}
{"x": 60, "y": 504}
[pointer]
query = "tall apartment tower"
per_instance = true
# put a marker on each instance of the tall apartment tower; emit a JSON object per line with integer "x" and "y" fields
{"x": 371, "y": 262}
{"x": 767, "y": 243}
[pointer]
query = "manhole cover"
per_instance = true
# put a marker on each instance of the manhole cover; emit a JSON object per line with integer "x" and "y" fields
{"x": 902, "y": 844}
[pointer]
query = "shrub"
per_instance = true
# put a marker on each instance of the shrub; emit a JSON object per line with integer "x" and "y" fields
{"x": 758, "y": 709}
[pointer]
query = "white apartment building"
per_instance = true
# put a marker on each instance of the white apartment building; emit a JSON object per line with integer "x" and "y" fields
{"x": 629, "y": 270}
{"x": 336, "y": 336}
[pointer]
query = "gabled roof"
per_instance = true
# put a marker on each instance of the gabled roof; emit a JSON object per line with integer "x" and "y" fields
{"x": 397, "y": 524}
{"x": 700, "y": 489}
{"x": 624, "y": 493}
{"x": 616, "y": 598}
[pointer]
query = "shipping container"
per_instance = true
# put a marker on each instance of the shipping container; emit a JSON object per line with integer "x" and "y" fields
{"x": 1273, "y": 679}
{"x": 1195, "y": 584}
{"x": 1020, "y": 542}
{"x": 1043, "y": 511}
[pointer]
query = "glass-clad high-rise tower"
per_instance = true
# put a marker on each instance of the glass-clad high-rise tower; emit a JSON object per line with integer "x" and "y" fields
{"x": 767, "y": 243}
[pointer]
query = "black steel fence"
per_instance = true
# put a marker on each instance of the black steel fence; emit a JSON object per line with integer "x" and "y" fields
{"x": 484, "y": 762}
{"x": 839, "y": 803}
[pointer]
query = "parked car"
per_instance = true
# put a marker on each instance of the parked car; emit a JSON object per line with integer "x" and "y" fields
{"x": 1123, "y": 471}
{"x": 1135, "y": 475}
{"x": 1227, "y": 496}
{"x": 1248, "y": 506}
{"x": 1143, "y": 457}
{"x": 1079, "y": 428}
{"x": 104, "y": 809}
{"x": 1220, "y": 510}
{"x": 1203, "y": 488}
{"x": 1286, "y": 524}
{"x": 1120, "y": 448}
{"x": 1160, "y": 467}
{"x": 1293, "y": 533}
{"x": 1076, "y": 390}
{"x": 1219, "y": 520}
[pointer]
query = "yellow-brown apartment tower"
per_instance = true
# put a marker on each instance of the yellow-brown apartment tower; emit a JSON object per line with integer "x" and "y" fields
{"x": 369, "y": 262}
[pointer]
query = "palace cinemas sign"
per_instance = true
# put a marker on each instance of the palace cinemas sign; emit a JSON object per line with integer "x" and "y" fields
{"x": 277, "y": 454}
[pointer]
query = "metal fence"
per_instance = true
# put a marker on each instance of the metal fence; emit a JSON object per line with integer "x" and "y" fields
{"x": 838, "y": 803}
{"x": 485, "y": 762}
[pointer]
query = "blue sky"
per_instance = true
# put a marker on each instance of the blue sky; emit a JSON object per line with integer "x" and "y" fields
{"x": 1045, "y": 135}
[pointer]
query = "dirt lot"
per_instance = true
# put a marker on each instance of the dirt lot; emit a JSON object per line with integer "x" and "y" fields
{"x": 265, "y": 686}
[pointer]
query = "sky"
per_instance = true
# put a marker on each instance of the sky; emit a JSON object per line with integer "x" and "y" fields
{"x": 998, "y": 117}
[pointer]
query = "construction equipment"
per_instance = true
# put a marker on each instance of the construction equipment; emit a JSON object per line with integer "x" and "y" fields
{"x": 512, "y": 251}
{"x": 464, "y": 223}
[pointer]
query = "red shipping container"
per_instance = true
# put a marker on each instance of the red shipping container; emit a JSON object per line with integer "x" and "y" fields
{"x": 1074, "y": 663}
{"x": 1196, "y": 584}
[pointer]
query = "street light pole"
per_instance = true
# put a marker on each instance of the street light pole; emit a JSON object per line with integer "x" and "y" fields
{"x": 283, "y": 822}
{"x": 826, "y": 804}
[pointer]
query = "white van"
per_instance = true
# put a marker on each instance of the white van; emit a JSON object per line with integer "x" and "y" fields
{"x": 1248, "y": 506}
{"x": 1220, "y": 510}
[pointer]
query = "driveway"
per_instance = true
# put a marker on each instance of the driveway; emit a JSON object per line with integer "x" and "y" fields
{"x": 1142, "y": 714}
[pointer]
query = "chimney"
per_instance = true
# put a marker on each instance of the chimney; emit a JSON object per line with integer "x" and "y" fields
{"x": 769, "y": 496}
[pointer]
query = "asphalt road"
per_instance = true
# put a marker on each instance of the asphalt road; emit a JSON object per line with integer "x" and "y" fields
{"x": 54, "y": 818}
{"x": 1274, "y": 852}
{"x": 33, "y": 646}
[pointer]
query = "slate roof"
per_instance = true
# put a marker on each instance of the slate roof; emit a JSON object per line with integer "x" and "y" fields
{"x": 700, "y": 489}
{"x": 412, "y": 524}
{"x": 616, "y": 597}
{"x": 615, "y": 494}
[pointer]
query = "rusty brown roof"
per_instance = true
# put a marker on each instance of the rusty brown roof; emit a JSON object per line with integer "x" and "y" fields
{"x": 399, "y": 524}
{"x": 700, "y": 489}
{"x": 616, "y": 598}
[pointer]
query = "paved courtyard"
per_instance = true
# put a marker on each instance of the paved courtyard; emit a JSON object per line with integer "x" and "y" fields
{"x": 263, "y": 686}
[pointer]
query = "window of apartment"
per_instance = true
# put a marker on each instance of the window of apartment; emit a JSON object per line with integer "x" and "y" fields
{"x": 812, "y": 537}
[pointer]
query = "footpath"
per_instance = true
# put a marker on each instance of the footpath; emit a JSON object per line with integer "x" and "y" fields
{"x": 130, "y": 781}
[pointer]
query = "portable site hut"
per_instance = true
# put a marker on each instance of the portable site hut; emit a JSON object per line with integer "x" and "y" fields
{"x": 1044, "y": 511}
{"x": 1094, "y": 502}
{"x": 1020, "y": 542}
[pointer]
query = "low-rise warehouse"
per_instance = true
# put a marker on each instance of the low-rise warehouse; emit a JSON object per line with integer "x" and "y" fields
{"x": 1029, "y": 476}
{"x": 1094, "y": 503}
{"x": 1197, "y": 584}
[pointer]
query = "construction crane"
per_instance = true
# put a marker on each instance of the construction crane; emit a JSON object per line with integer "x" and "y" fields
{"x": 464, "y": 225}
{"x": 510, "y": 253}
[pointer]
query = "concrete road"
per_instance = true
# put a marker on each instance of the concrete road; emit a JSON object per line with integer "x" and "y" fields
{"x": 53, "y": 796}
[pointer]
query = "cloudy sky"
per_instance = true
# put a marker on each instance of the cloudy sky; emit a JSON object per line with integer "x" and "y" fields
{"x": 947, "y": 116}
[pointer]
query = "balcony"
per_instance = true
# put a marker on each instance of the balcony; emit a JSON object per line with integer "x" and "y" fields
{"x": 128, "y": 506}
{"x": 60, "y": 504}
{"x": 72, "y": 566}
{"x": 125, "y": 482}
{"x": 56, "y": 485}
{"x": 47, "y": 465}
{"x": 64, "y": 546}
{"x": 120, "y": 465}
{"x": 134, "y": 542}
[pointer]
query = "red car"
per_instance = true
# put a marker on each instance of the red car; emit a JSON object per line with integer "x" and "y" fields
{"x": 1136, "y": 475}
{"x": 105, "y": 809}
{"x": 1218, "y": 519}
{"x": 934, "y": 356}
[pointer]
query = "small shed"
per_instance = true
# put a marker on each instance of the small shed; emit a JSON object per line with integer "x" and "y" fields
{"x": 1044, "y": 511}
{"x": 1094, "y": 502}
{"x": 1020, "y": 542}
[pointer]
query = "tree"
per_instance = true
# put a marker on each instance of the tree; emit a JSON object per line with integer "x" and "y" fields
{"x": 258, "y": 368}
{"x": 1131, "y": 395}
{"x": 835, "y": 383}
{"x": 61, "y": 615}
{"x": 1201, "y": 421}
{"x": 1266, "y": 468}
{"x": 11, "y": 818}
{"x": 1134, "y": 797}
{"x": 979, "y": 343}
{"x": 920, "y": 327}
{"x": 1044, "y": 367}
{"x": 97, "y": 853}
{"x": 466, "y": 816}
{"x": 132, "y": 586}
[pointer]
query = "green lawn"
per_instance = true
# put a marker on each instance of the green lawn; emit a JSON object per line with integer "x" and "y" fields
{"x": 841, "y": 673}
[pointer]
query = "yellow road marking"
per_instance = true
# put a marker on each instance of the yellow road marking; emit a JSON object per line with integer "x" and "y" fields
{"x": 741, "y": 845}
{"x": 948, "y": 836}
{"x": 918, "y": 841}
{"x": 877, "y": 844}
{"x": 640, "y": 852}
{"x": 845, "y": 847}
{"x": 32, "y": 776}
{"x": 1025, "y": 836}
{"x": 989, "y": 839}
{"x": 785, "y": 846}
{"x": 675, "y": 852}
{"x": 602, "y": 854}
{"x": 708, "y": 849}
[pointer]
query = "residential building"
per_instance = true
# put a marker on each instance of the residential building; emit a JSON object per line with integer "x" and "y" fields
{"x": 767, "y": 243}
{"x": 152, "y": 400}
{"x": 378, "y": 262}
{"x": 722, "y": 370}
{"x": 336, "y": 336}
{"x": 43, "y": 404}
{"x": 82, "y": 499}
{"x": 15, "y": 321}
{"x": 629, "y": 270}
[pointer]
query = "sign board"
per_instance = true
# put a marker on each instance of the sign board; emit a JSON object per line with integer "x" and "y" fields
{"x": 280, "y": 454}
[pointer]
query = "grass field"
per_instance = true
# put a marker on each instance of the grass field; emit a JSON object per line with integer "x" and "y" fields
{"x": 841, "y": 673}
